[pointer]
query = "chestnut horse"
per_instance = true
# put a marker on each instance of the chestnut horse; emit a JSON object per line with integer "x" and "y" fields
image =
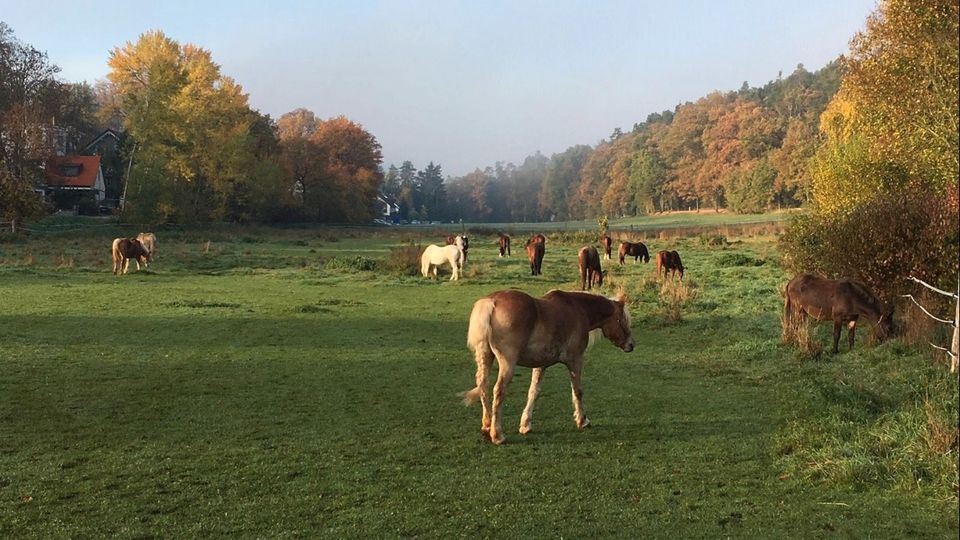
{"x": 842, "y": 301}
{"x": 589, "y": 265}
{"x": 606, "y": 242}
{"x": 669, "y": 261}
{"x": 124, "y": 249}
{"x": 504, "y": 241}
{"x": 519, "y": 330}
{"x": 536, "y": 247}
{"x": 636, "y": 250}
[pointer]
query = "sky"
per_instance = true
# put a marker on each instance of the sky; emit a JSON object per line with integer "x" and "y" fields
{"x": 463, "y": 83}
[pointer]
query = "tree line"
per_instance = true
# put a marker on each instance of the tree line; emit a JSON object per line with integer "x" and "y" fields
{"x": 194, "y": 149}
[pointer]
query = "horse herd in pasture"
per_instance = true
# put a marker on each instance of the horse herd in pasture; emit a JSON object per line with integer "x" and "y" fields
{"x": 516, "y": 329}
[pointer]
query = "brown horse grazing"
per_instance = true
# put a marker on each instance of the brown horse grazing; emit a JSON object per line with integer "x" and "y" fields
{"x": 669, "y": 261}
{"x": 519, "y": 330}
{"x": 504, "y": 241}
{"x": 842, "y": 301}
{"x": 123, "y": 250}
{"x": 606, "y": 242}
{"x": 636, "y": 250}
{"x": 535, "y": 251}
{"x": 589, "y": 264}
{"x": 149, "y": 241}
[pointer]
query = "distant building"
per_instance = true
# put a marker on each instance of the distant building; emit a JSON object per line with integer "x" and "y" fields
{"x": 74, "y": 181}
{"x": 389, "y": 208}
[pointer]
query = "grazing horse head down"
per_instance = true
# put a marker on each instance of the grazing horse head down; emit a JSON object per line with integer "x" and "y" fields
{"x": 435, "y": 256}
{"x": 504, "y": 242}
{"x": 124, "y": 249}
{"x": 637, "y": 250}
{"x": 588, "y": 261}
{"x": 669, "y": 261}
{"x": 519, "y": 330}
{"x": 841, "y": 300}
{"x": 606, "y": 242}
{"x": 149, "y": 241}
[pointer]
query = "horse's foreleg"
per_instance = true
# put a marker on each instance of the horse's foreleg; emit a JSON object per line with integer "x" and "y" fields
{"x": 837, "y": 325}
{"x": 126, "y": 265}
{"x": 851, "y": 330}
{"x": 499, "y": 390}
{"x": 579, "y": 417}
{"x": 532, "y": 394}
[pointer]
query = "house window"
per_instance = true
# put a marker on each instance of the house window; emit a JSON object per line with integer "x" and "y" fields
{"x": 71, "y": 169}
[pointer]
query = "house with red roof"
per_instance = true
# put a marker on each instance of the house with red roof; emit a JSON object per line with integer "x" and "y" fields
{"x": 73, "y": 180}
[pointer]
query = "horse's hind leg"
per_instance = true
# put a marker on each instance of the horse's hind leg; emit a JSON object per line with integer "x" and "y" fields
{"x": 499, "y": 391}
{"x": 532, "y": 394}
{"x": 484, "y": 358}
{"x": 579, "y": 417}
{"x": 837, "y": 324}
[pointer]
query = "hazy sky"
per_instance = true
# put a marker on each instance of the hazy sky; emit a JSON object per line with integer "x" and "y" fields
{"x": 463, "y": 84}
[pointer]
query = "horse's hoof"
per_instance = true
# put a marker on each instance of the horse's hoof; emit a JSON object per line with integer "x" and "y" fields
{"x": 585, "y": 424}
{"x": 499, "y": 440}
{"x": 524, "y": 430}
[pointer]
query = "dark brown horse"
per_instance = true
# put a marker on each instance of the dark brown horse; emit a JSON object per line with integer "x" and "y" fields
{"x": 669, "y": 261}
{"x": 636, "y": 250}
{"x": 504, "y": 242}
{"x": 589, "y": 264}
{"x": 606, "y": 242}
{"x": 519, "y": 330}
{"x": 124, "y": 249}
{"x": 842, "y": 300}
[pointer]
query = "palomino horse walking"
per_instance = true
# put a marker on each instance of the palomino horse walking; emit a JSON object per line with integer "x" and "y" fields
{"x": 435, "y": 256}
{"x": 606, "y": 242}
{"x": 124, "y": 249}
{"x": 588, "y": 261}
{"x": 504, "y": 242}
{"x": 149, "y": 241}
{"x": 519, "y": 330}
{"x": 669, "y": 261}
{"x": 637, "y": 250}
{"x": 843, "y": 301}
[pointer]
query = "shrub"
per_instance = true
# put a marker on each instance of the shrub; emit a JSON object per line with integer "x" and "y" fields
{"x": 357, "y": 264}
{"x": 713, "y": 240}
{"x": 403, "y": 260}
{"x": 910, "y": 232}
{"x": 738, "y": 259}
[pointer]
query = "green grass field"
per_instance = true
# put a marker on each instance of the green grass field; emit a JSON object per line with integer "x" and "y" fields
{"x": 268, "y": 383}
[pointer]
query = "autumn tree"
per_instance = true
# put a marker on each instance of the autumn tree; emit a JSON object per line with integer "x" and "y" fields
{"x": 196, "y": 138}
{"x": 30, "y": 96}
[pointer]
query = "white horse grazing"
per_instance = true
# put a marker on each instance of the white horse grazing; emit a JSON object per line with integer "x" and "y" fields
{"x": 435, "y": 256}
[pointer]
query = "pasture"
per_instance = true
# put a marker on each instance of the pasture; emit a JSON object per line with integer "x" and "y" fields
{"x": 286, "y": 383}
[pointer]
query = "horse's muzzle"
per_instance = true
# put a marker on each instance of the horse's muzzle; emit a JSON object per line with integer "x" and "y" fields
{"x": 628, "y": 346}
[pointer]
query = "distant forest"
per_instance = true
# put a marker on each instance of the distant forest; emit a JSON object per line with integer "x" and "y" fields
{"x": 745, "y": 150}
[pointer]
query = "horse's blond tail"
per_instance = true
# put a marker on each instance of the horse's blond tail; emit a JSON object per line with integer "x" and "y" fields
{"x": 115, "y": 254}
{"x": 478, "y": 340}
